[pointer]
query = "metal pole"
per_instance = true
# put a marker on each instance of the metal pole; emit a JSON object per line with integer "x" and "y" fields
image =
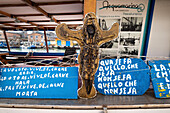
{"x": 6, "y": 40}
{"x": 45, "y": 36}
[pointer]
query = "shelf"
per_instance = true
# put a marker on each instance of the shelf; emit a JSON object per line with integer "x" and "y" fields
{"x": 111, "y": 102}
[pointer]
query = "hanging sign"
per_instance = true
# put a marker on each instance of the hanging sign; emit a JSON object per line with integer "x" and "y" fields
{"x": 160, "y": 76}
{"x": 39, "y": 82}
{"x": 122, "y": 77}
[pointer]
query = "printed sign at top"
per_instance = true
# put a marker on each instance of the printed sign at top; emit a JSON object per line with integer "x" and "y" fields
{"x": 122, "y": 77}
{"x": 39, "y": 82}
{"x": 106, "y": 4}
{"x": 160, "y": 75}
{"x": 122, "y": 6}
{"x": 131, "y": 16}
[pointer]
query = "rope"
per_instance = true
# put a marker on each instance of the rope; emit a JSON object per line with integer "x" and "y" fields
{"x": 72, "y": 58}
{"x": 2, "y": 63}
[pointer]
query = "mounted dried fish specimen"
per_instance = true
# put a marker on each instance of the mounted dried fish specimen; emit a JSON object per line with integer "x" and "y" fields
{"x": 90, "y": 37}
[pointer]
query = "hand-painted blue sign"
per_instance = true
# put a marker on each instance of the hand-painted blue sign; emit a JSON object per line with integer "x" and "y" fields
{"x": 39, "y": 82}
{"x": 122, "y": 77}
{"x": 160, "y": 75}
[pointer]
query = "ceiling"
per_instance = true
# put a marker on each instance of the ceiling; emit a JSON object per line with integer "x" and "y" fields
{"x": 40, "y": 14}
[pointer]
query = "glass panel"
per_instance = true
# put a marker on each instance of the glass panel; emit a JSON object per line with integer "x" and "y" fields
{"x": 33, "y": 41}
{"x": 3, "y": 45}
{"x": 55, "y": 45}
{"x": 58, "y": 46}
{"x": 25, "y": 41}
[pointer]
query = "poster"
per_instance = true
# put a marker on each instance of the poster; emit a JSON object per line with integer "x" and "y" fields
{"x": 131, "y": 16}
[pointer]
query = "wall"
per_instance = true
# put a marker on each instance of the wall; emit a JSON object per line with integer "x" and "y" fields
{"x": 9, "y": 35}
{"x": 159, "y": 44}
{"x": 34, "y": 37}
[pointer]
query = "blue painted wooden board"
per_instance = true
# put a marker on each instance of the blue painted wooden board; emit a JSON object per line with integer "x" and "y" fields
{"x": 39, "y": 82}
{"x": 122, "y": 77}
{"x": 160, "y": 76}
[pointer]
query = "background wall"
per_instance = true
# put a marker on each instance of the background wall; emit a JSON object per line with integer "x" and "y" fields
{"x": 159, "y": 43}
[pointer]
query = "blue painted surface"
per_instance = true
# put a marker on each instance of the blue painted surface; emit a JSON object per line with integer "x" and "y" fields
{"x": 3, "y": 44}
{"x": 39, "y": 82}
{"x": 160, "y": 76}
{"x": 48, "y": 42}
{"x": 58, "y": 42}
{"x": 32, "y": 47}
{"x": 122, "y": 77}
{"x": 67, "y": 43}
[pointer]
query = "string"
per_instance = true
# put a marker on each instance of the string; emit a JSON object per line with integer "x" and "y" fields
{"x": 74, "y": 60}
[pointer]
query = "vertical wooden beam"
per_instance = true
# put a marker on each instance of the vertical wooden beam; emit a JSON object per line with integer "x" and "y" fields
{"x": 6, "y": 40}
{"x": 89, "y": 6}
{"x": 45, "y": 36}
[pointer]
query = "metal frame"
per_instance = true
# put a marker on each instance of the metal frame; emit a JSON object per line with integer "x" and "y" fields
{"x": 6, "y": 38}
{"x": 45, "y": 36}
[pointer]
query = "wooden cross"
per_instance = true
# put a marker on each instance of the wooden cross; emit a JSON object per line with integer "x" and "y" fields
{"x": 90, "y": 37}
